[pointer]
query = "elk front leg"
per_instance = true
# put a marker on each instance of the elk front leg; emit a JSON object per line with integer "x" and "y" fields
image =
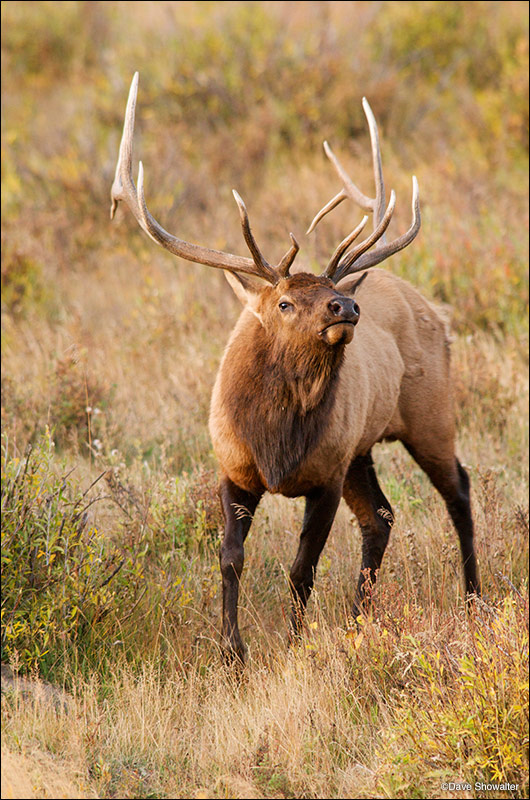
{"x": 238, "y": 509}
{"x": 321, "y": 507}
{"x": 375, "y": 516}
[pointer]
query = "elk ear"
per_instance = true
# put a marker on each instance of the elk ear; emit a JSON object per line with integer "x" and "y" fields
{"x": 246, "y": 289}
{"x": 351, "y": 288}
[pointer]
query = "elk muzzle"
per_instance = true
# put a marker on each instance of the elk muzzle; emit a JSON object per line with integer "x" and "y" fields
{"x": 343, "y": 314}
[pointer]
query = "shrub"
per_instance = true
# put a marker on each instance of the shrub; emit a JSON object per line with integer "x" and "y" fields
{"x": 73, "y": 591}
{"x": 466, "y": 714}
{"x": 57, "y": 570}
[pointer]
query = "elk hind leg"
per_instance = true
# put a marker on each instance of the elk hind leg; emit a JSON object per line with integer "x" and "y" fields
{"x": 375, "y": 516}
{"x": 451, "y": 480}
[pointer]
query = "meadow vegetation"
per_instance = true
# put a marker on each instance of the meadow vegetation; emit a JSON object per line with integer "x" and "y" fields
{"x": 110, "y": 519}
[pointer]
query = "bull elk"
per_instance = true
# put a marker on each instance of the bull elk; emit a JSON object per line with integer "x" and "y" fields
{"x": 307, "y": 386}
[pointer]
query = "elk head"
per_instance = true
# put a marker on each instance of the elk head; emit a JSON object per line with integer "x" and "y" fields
{"x": 302, "y": 309}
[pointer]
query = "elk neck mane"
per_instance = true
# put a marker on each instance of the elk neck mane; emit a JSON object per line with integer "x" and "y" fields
{"x": 278, "y": 399}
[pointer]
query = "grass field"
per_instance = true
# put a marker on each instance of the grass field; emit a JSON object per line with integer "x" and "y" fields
{"x": 111, "y": 588}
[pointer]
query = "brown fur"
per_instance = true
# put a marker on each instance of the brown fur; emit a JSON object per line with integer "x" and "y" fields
{"x": 293, "y": 414}
{"x": 278, "y": 399}
{"x": 272, "y": 386}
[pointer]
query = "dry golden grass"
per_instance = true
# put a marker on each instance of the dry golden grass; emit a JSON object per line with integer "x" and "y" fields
{"x": 38, "y": 774}
{"x": 113, "y": 345}
{"x": 347, "y": 714}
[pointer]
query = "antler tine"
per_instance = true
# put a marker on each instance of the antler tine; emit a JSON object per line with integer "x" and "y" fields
{"x": 333, "y": 203}
{"x": 343, "y": 263}
{"x": 123, "y": 188}
{"x": 354, "y": 262}
{"x": 272, "y": 274}
{"x": 377, "y": 234}
{"x": 344, "y": 266}
{"x": 285, "y": 264}
{"x": 374, "y": 204}
{"x": 119, "y": 191}
{"x": 379, "y": 200}
{"x": 343, "y": 246}
{"x": 350, "y": 189}
{"x": 263, "y": 267}
{"x": 337, "y": 269}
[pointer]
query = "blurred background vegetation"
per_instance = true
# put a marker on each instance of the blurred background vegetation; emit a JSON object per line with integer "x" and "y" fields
{"x": 110, "y": 348}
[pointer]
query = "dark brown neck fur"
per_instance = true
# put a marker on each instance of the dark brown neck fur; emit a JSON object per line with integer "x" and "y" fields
{"x": 279, "y": 401}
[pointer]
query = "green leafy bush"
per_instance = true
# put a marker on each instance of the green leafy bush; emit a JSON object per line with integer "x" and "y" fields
{"x": 75, "y": 591}
{"x": 57, "y": 570}
{"x": 466, "y": 714}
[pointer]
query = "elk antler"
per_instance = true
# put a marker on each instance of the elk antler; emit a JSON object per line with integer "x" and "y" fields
{"x": 343, "y": 263}
{"x": 124, "y": 188}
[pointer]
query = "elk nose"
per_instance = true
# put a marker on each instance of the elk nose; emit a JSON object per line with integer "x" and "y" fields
{"x": 344, "y": 308}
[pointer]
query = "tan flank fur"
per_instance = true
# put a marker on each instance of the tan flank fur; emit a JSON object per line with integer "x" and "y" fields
{"x": 317, "y": 370}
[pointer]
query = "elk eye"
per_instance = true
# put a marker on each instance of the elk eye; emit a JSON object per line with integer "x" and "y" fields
{"x": 284, "y": 305}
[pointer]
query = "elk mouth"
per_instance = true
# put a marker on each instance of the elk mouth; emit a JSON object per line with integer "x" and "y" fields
{"x": 340, "y": 332}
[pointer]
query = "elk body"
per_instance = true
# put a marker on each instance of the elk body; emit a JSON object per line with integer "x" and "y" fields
{"x": 308, "y": 385}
